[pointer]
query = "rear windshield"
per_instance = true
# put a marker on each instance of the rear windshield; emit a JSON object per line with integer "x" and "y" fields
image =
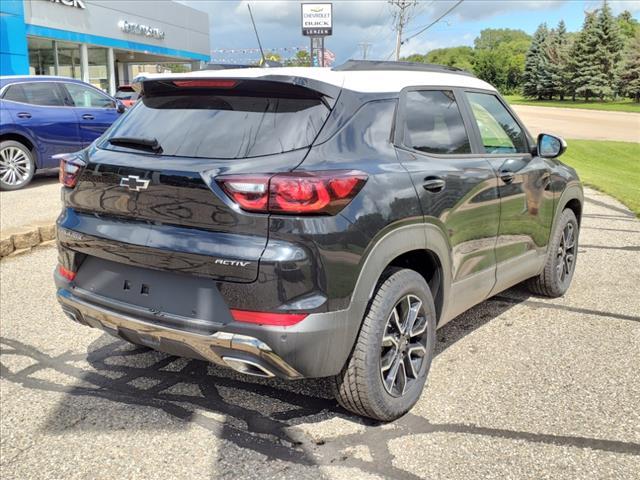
{"x": 210, "y": 125}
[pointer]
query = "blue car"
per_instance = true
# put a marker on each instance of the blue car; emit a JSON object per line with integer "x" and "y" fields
{"x": 41, "y": 117}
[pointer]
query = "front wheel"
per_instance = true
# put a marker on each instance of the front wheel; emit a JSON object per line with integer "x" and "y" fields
{"x": 562, "y": 254}
{"x": 387, "y": 370}
{"x": 16, "y": 165}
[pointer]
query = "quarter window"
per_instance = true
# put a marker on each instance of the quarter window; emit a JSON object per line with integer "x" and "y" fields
{"x": 36, "y": 93}
{"x": 87, "y": 97}
{"x": 433, "y": 123}
{"x": 499, "y": 131}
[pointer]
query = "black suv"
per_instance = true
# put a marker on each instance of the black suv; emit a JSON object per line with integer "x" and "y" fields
{"x": 307, "y": 222}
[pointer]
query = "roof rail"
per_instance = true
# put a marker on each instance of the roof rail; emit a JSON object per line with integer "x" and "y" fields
{"x": 372, "y": 65}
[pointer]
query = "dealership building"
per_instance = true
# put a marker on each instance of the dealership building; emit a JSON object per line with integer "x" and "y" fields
{"x": 103, "y": 42}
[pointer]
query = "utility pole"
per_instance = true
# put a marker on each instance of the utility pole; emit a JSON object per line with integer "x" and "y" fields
{"x": 365, "y": 48}
{"x": 403, "y": 11}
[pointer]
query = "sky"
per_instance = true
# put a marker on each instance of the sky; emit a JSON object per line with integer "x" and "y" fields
{"x": 365, "y": 21}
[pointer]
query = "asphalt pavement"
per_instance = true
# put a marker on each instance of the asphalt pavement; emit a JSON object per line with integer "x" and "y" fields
{"x": 581, "y": 124}
{"x": 521, "y": 387}
{"x": 38, "y": 202}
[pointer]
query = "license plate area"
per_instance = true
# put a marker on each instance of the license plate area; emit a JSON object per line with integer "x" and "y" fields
{"x": 158, "y": 292}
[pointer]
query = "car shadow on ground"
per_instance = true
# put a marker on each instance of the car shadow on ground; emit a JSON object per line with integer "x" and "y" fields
{"x": 270, "y": 417}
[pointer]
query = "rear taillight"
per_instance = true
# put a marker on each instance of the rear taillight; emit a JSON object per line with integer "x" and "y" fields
{"x": 267, "y": 318}
{"x": 302, "y": 193}
{"x": 70, "y": 167}
{"x": 66, "y": 273}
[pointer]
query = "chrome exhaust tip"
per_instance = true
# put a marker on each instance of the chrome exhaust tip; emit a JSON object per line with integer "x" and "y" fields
{"x": 247, "y": 367}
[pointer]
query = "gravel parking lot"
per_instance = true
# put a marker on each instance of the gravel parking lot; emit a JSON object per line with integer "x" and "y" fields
{"x": 521, "y": 387}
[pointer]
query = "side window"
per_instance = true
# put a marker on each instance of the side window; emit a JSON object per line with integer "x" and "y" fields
{"x": 36, "y": 93}
{"x": 88, "y": 97}
{"x": 15, "y": 93}
{"x": 433, "y": 123}
{"x": 499, "y": 131}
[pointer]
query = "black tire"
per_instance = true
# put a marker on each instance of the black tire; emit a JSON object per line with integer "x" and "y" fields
{"x": 17, "y": 163}
{"x": 556, "y": 277}
{"x": 360, "y": 387}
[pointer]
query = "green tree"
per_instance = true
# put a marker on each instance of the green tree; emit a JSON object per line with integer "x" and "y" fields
{"x": 608, "y": 53}
{"x": 628, "y": 26}
{"x": 416, "y": 57}
{"x": 491, "y": 38}
{"x": 459, "y": 57}
{"x": 536, "y": 79}
{"x": 499, "y": 57}
{"x": 630, "y": 75}
{"x": 557, "y": 56}
{"x": 583, "y": 65}
{"x": 301, "y": 59}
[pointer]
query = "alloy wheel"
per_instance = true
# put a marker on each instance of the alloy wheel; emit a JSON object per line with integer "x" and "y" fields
{"x": 566, "y": 252}
{"x": 15, "y": 166}
{"x": 404, "y": 345}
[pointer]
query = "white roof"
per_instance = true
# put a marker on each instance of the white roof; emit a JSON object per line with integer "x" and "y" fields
{"x": 358, "y": 80}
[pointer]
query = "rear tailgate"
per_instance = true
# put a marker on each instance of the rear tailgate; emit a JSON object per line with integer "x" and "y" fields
{"x": 164, "y": 209}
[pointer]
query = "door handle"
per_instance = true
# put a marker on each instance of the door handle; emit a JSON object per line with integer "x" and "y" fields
{"x": 434, "y": 184}
{"x": 24, "y": 115}
{"x": 88, "y": 116}
{"x": 507, "y": 176}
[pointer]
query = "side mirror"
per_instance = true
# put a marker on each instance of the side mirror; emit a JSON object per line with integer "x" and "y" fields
{"x": 120, "y": 108}
{"x": 550, "y": 146}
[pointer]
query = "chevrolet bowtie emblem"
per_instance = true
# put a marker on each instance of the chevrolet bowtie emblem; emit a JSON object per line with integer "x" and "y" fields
{"x": 134, "y": 183}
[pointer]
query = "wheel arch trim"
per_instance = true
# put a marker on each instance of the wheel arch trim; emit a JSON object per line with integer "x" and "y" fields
{"x": 573, "y": 191}
{"x": 398, "y": 241}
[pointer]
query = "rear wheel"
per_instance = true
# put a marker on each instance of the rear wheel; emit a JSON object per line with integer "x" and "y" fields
{"x": 387, "y": 370}
{"x": 556, "y": 277}
{"x": 16, "y": 165}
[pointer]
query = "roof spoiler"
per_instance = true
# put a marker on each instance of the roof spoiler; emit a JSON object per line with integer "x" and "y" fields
{"x": 280, "y": 84}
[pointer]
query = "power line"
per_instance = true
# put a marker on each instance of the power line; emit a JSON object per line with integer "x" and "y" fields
{"x": 432, "y": 23}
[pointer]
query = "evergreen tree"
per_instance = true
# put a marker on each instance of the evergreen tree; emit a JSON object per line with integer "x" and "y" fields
{"x": 557, "y": 53}
{"x": 628, "y": 26}
{"x": 630, "y": 76}
{"x": 535, "y": 79}
{"x": 583, "y": 65}
{"x": 608, "y": 53}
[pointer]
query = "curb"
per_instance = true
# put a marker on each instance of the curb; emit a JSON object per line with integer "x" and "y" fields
{"x": 22, "y": 240}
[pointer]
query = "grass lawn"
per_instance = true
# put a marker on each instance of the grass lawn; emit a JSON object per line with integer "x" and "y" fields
{"x": 626, "y": 105}
{"x": 611, "y": 167}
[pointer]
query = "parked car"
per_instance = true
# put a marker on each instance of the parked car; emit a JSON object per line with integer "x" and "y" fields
{"x": 43, "y": 116}
{"x": 301, "y": 222}
{"x": 127, "y": 95}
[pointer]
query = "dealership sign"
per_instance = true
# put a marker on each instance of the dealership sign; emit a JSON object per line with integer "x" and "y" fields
{"x": 317, "y": 19}
{"x": 70, "y": 3}
{"x": 139, "y": 29}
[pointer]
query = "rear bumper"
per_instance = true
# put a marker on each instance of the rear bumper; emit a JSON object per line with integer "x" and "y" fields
{"x": 228, "y": 349}
{"x": 316, "y": 347}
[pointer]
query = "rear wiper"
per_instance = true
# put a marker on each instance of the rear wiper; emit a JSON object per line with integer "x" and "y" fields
{"x": 150, "y": 144}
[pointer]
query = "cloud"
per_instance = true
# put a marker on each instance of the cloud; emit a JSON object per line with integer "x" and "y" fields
{"x": 472, "y": 10}
{"x": 346, "y": 12}
{"x": 357, "y": 21}
{"x": 617, "y": 6}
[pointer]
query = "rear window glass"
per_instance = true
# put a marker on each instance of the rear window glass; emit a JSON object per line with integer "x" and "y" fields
{"x": 223, "y": 126}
